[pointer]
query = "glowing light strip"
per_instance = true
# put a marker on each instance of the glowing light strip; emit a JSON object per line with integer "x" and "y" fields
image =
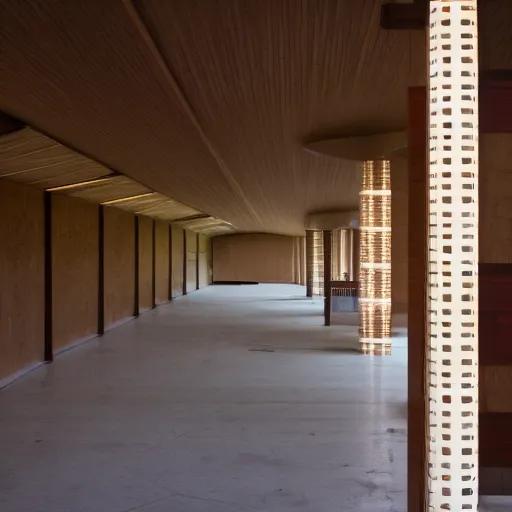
{"x": 453, "y": 257}
{"x": 87, "y": 183}
{"x": 375, "y": 258}
{"x": 124, "y": 199}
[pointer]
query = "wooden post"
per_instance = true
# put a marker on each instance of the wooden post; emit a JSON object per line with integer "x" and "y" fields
{"x": 185, "y": 257}
{"x": 101, "y": 270}
{"x": 170, "y": 262}
{"x": 136, "y": 308}
{"x": 197, "y": 261}
{"x": 417, "y": 261}
{"x": 327, "y": 275}
{"x": 153, "y": 267}
{"x": 48, "y": 278}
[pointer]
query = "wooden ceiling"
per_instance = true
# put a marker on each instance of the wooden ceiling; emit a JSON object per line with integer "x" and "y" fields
{"x": 210, "y": 101}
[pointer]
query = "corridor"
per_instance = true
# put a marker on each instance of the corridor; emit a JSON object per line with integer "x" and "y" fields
{"x": 230, "y": 399}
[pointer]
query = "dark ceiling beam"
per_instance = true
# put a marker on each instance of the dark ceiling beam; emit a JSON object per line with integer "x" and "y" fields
{"x": 413, "y": 16}
{"x": 9, "y": 124}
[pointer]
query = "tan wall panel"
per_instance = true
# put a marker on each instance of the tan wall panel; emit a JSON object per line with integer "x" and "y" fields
{"x": 399, "y": 234}
{"x": 495, "y": 193}
{"x": 75, "y": 270}
{"x": 191, "y": 261}
{"x": 204, "y": 274}
{"x": 119, "y": 261}
{"x": 209, "y": 257}
{"x": 177, "y": 261}
{"x": 145, "y": 263}
{"x": 21, "y": 277}
{"x": 161, "y": 262}
{"x": 495, "y": 389}
{"x": 262, "y": 258}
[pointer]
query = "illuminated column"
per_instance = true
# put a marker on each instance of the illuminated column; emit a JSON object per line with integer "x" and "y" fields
{"x": 375, "y": 258}
{"x": 453, "y": 257}
{"x": 318, "y": 263}
{"x": 345, "y": 253}
{"x": 309, "y": 263}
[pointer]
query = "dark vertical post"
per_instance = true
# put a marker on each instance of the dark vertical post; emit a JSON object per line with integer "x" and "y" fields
{"x": 309, "y": 262}
{"x": 136, "y": 308}
{"x": 327, "y": 275}
{"x": 185, "y": 257}
{"x": 170, "y": 262}
{"x": 417, "y": 261}
{"x": 153, "y": 265}
{"x": 48, "y": 279}
{"x": 101, "y": 270}
{"x": 198, "y": 252}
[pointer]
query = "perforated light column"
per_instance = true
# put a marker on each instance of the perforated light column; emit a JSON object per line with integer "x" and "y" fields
{"x": 318, "y": 263}
{"x": 375, "y": 258}
{"x": 453, "y": 257}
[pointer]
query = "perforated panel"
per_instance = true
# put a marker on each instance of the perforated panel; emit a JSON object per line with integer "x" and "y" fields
{"x": 375, "y": 258}
{"x": 318, "y": 263}
{"x": 453, "y": 257}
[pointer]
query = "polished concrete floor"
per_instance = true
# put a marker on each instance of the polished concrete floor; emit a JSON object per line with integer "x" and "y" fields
{"x": 230, "y": 399}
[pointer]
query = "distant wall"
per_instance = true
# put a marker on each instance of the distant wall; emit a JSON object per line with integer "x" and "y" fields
{"x": 21, "y": 277}
{"x": 161, "y": 262}
{"x": 204, "y": 260}
{"x": 263, "y": 258}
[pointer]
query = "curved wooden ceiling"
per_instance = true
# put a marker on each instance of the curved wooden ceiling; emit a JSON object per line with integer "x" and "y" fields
{"x": 210, "y": 101}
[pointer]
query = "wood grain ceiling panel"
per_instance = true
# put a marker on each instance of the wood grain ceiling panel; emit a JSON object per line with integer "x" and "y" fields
{"x": 81, "y": 72}
{"x": 211, "y": 101}
{"x": 29, "y": 157}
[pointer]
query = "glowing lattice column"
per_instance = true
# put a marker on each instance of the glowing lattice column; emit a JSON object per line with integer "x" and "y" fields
{"x": 375, "y": 258}
{"x": 453, "y": 257}
{"x": 318, "y": 263}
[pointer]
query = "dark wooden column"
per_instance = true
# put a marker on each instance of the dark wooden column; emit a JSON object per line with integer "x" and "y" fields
{"x": 185, "y": 258}
{"x": 101, "y": 270}
{"x": 153, "y": 266}
{"x": 170, "y": 262}
{"x": 309, "y": 262}
{"x": 136, "y": 305}
{"x": 48, "y": 278}
{"x": 327, "y": 275}
{"x": 417, "y": 261}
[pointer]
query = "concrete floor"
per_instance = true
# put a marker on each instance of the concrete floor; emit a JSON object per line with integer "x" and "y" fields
{"x": 230, "y": 399}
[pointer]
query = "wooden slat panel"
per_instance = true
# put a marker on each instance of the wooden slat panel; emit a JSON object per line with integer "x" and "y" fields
{"x": 75, "y": 270}
{"x": 496, "y": 104}
{"x": 21, "y": 277}
{"x": 204, "y": 277}
{"x": 417, "y": 263}
{"x": 495, "y": 289}
{"x": 177, "y": 261}
{"x": 161, "y": 262}
{"x": 145, "y": 263}
{"x": 191, "y": 261}
{"x": 495, "y": 448}
{"x": 495, "y": 389}
{"x": 119, "y": 261}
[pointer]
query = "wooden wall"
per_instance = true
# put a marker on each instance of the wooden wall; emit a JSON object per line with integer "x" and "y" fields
{"x": 261, "y": 258}
{"x": 75, "y": 267}
{"x": 29, "y": 323}
{"x": 145, "y": 263}
{"x": 204, "y": 271}
{"x": 399, "y": 234}
{"x": 21, "y": 277}
{"x": 178, "y": 254}
{"x": 191, "y": 247}
{"x": 162, "y": 262}
{"x": 119, "y": 261}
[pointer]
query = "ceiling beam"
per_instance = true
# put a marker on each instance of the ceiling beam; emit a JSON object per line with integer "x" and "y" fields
{"x": 9, "y": 124}
{"x": 413, "y": 16}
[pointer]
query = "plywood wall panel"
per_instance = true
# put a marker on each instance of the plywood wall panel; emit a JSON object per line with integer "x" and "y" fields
{"x": 191, "y": 261}
{"x": 178, "y": 248}
{"x": 75, "y": 270}
{"x": 145, "y": 263}
{"x": 262, "y": 258}
{"x": 161, "y": 262}
{"x": 399, "y": 233}
{"x": 21, "y": 277}
{"x": 204, "y": 272}
{"x": 119, "y": 261}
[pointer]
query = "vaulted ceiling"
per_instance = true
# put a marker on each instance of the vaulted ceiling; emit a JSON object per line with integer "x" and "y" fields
{"x": 211, "y": 101}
